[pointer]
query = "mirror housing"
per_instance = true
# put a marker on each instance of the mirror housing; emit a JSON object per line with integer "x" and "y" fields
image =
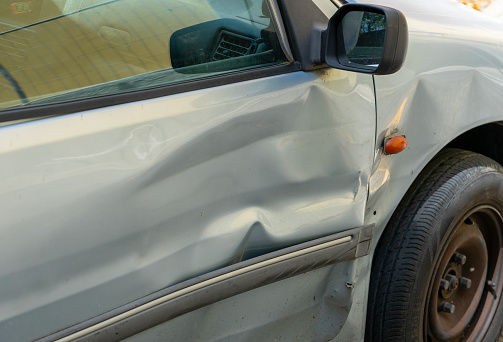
{"x": 367, "y": 39}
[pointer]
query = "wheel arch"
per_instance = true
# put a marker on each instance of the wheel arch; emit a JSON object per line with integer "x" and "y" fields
{"x": 486, "y": 140}
{"x": 473, "y": 141}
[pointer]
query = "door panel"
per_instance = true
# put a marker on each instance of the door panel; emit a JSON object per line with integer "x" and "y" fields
{"x": 103, "y": 207}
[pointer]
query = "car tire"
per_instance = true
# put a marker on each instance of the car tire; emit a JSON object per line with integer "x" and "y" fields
{"x": 437, "y": 270}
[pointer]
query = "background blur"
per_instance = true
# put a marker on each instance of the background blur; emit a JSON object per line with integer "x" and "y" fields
{"x": 493, "y": 8}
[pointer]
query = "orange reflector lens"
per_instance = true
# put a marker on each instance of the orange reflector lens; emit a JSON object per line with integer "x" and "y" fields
{"x": 395, "y": 145}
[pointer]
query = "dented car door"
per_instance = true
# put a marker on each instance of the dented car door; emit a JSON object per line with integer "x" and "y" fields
{"x": 105, "y": 205}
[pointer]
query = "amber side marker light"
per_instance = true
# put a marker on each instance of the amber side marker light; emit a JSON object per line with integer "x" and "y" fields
{"x": 395, "y": 145}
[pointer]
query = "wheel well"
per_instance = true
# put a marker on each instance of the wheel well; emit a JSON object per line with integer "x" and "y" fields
{"x": 486, "y": 140}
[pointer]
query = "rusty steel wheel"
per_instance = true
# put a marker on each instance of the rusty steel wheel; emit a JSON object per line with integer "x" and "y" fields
{"x": 463, "y": 291}
{"x": 437, "y": 270}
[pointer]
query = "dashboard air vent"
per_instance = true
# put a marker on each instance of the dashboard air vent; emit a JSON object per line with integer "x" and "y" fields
{"x": 232, "y": 45}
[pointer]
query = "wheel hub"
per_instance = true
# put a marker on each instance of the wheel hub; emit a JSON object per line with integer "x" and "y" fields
{"x": 457, "y": 289}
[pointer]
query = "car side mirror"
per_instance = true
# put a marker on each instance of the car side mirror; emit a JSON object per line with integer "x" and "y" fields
{"x": 367, "y": 39}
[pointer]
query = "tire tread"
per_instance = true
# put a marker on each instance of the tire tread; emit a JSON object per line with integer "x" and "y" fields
{"x": 406, "y": 237}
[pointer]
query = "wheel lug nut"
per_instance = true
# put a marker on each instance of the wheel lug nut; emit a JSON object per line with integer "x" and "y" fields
{"x": 465, "y": 282}
{"x": 492, "y": 288}
{"x": 459, "y": 258}
{"x": 453, "y": 281}
{"x": 447, "y": 308}
{"x": 444, "y": 285}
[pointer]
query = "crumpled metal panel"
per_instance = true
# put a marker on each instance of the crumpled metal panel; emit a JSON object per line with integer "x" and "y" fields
{"x": 313, "y": 306}
{"x": 452, "y": 81}
{"x": 103, "y": 207}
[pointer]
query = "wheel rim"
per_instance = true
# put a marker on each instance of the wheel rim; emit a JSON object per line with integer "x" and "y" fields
{"x": 466, "y": 286}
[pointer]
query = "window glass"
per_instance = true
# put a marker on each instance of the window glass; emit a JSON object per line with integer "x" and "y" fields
{"x": 364, "y": 35}
{"x": 61, "y": 50}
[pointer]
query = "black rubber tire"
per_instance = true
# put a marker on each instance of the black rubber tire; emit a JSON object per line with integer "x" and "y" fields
{"x": 450, "y": 187}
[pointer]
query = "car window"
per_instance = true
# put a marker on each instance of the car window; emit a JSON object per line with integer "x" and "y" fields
{"x": 62, "y": 50}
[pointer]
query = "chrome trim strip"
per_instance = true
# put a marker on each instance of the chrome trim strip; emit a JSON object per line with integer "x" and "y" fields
{"x": 200, "y": 286}
{"x": 223, "y": 283}
{"x": 337, "y": 3}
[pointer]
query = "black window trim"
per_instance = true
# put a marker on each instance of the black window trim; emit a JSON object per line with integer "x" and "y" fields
{"x": 280, "y": 29}
{"x": 69, "y": 107}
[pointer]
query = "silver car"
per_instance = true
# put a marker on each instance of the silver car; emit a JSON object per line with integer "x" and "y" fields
{"x": 250, "y": 170}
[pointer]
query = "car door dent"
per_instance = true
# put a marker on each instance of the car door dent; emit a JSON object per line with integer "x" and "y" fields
{"x": 121, "y": 190}
{"x": 225, "y": 283}
{"x": 450, "y": 83}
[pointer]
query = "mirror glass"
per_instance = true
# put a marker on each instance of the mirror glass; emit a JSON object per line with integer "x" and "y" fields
{"x": 363, "y": 35}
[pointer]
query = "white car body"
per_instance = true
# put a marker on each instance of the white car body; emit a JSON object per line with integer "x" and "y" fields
{"x": 106, "y": 207}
